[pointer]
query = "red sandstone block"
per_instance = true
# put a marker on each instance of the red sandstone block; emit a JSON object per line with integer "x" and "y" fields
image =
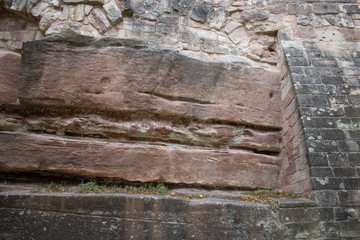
{"x": 22, "y": 151}
{"x": 302, "y": 163}
{"x": 9, "y": 76}
{"x": 24, "y": 35}
{"x": 295, "y": 117}
{"x": 290, "y": 109}
{"x": 291, "y": 169}
{"x": 351, "y": 35}
{"x": 304, "y": 31}
{"x": 288, "y": 98}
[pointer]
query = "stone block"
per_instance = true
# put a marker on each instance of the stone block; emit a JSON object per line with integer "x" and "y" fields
{"x": 354, "y": 159}
{"x": 318, "y": 122}
{"x": 297, "y": 61}
{"x": 77, "y": 12}
{"x": 299, "y": 8}
{"x": 292, "y": 215}
{"x": 200, "y": 11}
{"x": 253, "y": 15}
{"x": 352, "y": 183}
{"x": 231, "y": 26}
{"x": 47, "y": 18}
{"x": 329, "y": 35}
{"x": 217, "y": 18}
{"x": 239, "y": 36}
{"x": 304, "y": 31}
{"x": 94, "y": 216}
{"x": 329, "y": 229}
{"x": 301, "y": 230}
{"x": 326, "y": 8}
{"x": 113, "y": 11}
{"x": 349, "y": 146}
{"x": 351, "y": 9}
{"x": 317, "y": 159}
{"x": 344, "y": 171}
{"x": 137, "y": 162}
{"x": 326, "y": 198}
{"x": 314, "y": 89}
{"x": 304, "y": 20}
{"x": 18, "y": 5}
{"x": 349, "y": 198}
{"x": 318, "y": 214}
{"x": 182, "y": 6}
{"x": 327, "y": 183}
{"x": 9, "y": 77}
{"x": 99, "y": 20}
{"x": 344, "y": 20}
{"x": 90, "y": 2}
{"x": 321, "y": 172}
{"x": 338, "y": 159}
{"x": 343, "y": 214}
{"x": 332, "y": 134}
{"x": 350, "y": 229}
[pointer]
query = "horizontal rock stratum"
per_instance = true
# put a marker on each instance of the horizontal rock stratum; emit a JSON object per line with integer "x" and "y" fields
{"x": 127, "y": 75}
{"x": 130, "y": 110}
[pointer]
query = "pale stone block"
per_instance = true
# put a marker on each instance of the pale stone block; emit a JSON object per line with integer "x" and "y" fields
{"x": 87, "y": 9}
{"x": 231, "y": 26}
{"x": 112, "y": 11}
{"x": 97, "y": 2}
{"x": 99, "y": 20}
{"x": 47, "y": 18}
{"x": 77, "y": 12}
{"x": 238, "y": 35}
{"x": 18, "y": 5}
{"x": 39, "y": 8}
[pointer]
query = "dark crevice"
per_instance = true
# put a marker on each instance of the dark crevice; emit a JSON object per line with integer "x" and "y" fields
{"x": 65, "y": 178}
{"x": 28, "y": 109}
{"x": 172, "y": 98}
{"x": 254, "y": 150}
{"x": 157, "y": 141}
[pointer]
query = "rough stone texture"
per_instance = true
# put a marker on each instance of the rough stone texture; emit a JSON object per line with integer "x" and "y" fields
{"x": 113, "y": 12}
{"x": 202, "y": 106}
{"x": 133, "y": 217}
{"x": 99, "y": 20}
{"x": 137, "y": 162}
{"x": 173, "y": 84}
{"x": 83, "y": 1}
{"x": 195, "y": 134}
{"x": 9, "y": 77}
{"x": 320, "y": 103}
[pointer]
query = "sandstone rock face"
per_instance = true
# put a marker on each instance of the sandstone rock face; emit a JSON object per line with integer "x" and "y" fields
{"x": 136, "y": 162}
{"x": 129, "y": 110}
{"x": 125, "y": 75}
{"x": 9, "y": 76}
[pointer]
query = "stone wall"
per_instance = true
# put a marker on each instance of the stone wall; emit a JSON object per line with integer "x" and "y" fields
{"x": 242, "y": 28}
{"x": 312, "y": 46}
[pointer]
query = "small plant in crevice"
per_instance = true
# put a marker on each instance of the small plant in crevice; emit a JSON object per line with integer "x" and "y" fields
{"x": 36, "y": 189}
{"x": 189, "y": 197}
{"x": 90, "y": 186}
{"x": 268, "y": 197}
{"x": 54, "y": 187}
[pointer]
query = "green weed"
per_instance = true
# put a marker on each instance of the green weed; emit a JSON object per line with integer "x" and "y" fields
{"x": 54, "y": 187}
{"x": 90, "y": 186}
{"x": 36, "y": 189}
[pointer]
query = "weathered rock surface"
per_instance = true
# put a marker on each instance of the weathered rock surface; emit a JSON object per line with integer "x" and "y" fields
{"x": 124, "y": 75}
{"x": 9, "y": 77}
{"x": 194, "y": 134}
{"x": 137, "y": 162}
{"x": 109, "y": 216}
{"x": 129, "y": 110}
